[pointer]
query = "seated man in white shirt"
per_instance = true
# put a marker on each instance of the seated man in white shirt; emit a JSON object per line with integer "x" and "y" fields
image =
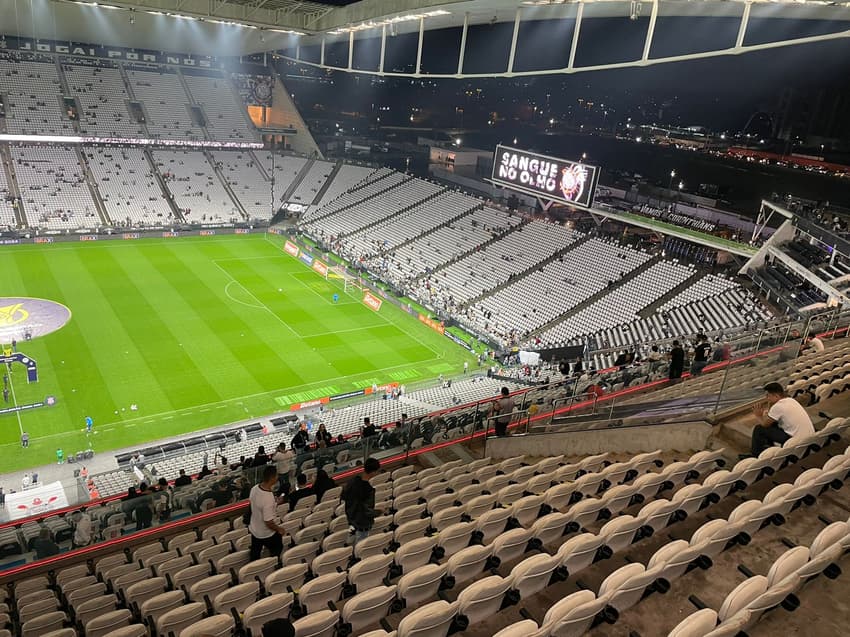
{"x": 784, "y": 419}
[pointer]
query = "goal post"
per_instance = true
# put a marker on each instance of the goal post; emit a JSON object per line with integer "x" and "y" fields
{"x": 352, "y": 284}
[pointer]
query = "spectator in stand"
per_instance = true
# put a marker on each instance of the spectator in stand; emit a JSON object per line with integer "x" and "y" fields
{"x": 183, "y": 480}
{"x": 785, "y": 418}
{"x": 278, "y": 628}
{"x": 204, "y": 472}
{"x": 301, "y": 439}
{"x": 701, "y": 352}
{"x": 283, "y": 461}
{"x": 677, "y": 361}
{"x": 219, "y": 494}
{"x": 301, "y": 491}
{"x": 814, "y": 344}
{"x": 322, "y": 484}
{"x": 82, "y": 529}
{"x": 503, "y": 407}
{"x": 359, "y": 499}
{"x": 323, "y": 436}
{"x": 368, "y": 429}
{"x": 44, "y": 546}
{"x": 239, "y": 463}
{"x": 263, "y": 526}
{"x": 260, "y": 458}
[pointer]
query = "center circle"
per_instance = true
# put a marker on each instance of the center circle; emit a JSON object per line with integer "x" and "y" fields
{"x": 23, "y": 317}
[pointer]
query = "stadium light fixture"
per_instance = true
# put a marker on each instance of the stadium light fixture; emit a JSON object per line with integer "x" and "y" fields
{"x": 372, "y": 24}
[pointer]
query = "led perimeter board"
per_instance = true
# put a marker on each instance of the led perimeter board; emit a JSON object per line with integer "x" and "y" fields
{"x": 547, "y": 177}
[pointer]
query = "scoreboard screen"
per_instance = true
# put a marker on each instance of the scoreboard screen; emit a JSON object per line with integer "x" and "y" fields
{"x": 552, "y": 178}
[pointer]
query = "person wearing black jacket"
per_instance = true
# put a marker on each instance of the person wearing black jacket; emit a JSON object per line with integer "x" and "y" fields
{"x": 359, "y": 498}
{"x": 301, "y": 439}
{"x": 302, "y": 491}
{"x": 322, "y": 483}
{"x": 677, "y": 361}
{"x": 368, "y": 429}
{"x": 323, "y": 436}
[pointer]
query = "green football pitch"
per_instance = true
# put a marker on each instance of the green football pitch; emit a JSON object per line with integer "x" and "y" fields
{"x": 195, "y": 332}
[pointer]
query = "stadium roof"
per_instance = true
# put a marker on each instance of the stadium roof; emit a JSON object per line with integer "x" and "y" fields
{"x": 234, "y": 27}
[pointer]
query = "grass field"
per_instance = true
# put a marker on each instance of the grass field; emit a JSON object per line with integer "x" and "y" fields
{"x": 196, "y": 332}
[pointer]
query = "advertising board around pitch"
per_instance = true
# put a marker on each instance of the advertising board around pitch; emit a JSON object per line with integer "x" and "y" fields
{"x": 552, "y": 178}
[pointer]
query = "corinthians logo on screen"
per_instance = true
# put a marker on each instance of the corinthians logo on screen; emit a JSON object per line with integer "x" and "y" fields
{"x": 23, "y": 316}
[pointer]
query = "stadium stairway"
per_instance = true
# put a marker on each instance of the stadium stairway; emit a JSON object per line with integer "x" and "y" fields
{"x": 321, "y": 193}
{"x": 483, "y": 246}
{"x": 650, "y": 309}
{"x": 524, "y": 273}
{"x": 395, "y": 215}
{"x": 167, "y": 195}
{"x": 223, "y": 180}
{"x": 8, "y": 167}
{"x": 643, "y": 267}
{"x": 298, "y": 179}
{"x": 91, "y": 182}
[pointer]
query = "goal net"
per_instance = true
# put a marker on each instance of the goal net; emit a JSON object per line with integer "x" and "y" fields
{"x": 352, "y": 284}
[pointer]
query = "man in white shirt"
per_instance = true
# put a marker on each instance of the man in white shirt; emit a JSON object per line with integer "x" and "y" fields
{"x": 283, "y": 461}
{"x": 264, "y": 529}
{"x": 784, "y": 419}
{"x": 814, "y": 344}
{"x": 83, "y": 529}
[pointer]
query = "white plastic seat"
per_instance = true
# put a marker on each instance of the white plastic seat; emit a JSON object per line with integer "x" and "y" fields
{"x": 509, "y": 494}
{"x": 572, "y": 615}
{"x": 414, "y": 553}
{"x": 214, "y": 626}
{"x": 527, "y": 509}
{"x": 479, "y": 505}
{"x": 370, "y": 572}
{"x": 258, "y": 570}
{"x": 315, "y": 594}
{"x": 330, "y": 561}
{"x": 374, "y": 544}
{"x": 468, "y": 563}
{"x": 742, "y": 596}
{"x": 511, "y": 545}
{"x": 447, "y": 517}
{"x": 492, "y": 523}
{"x": 690, "y": 498}
{"x": 550, "y": 528}
{"x": 713, "y": 537}
{"x": 95, "y": 607}
{"x": 107, "y": 622}
{"x": 271, "y": 607}
{"x": 455, "y": 537}
{"x": 618, "y": 498}
{"x": 320, "y": 624}
{"x": 153, "y": 608}
{"x": 657, "y": 514}
{"x": 533, "y": 573}
{"x": 409, "y": 513}
{"x": 624, "y": 588}
{"x": 620, "y": 532}
{"x": 180, "y": 618}
{"x": 421, "y": 584}
{"x": 559, "y": 496}
{"x": 431, "y": 620}
{"x": 368, "y": 608}
{"x": 236, "y": 598}
{"x": 411, "y": 530}
{"x": 300, "y": 554}
{"x": 184, "y": 578}
{"x": 209, "y": 587}
{"x": 579, "y": 552}
{"x": 522, "y": 628}
{"x": 483, "y": 598}
{"x": 584, "y": 512}
{"x": 697, "y": 624}
{"x": 671, "y": 561}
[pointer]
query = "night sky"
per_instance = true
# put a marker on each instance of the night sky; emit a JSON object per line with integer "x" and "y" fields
{"x": 720, "y": 93}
